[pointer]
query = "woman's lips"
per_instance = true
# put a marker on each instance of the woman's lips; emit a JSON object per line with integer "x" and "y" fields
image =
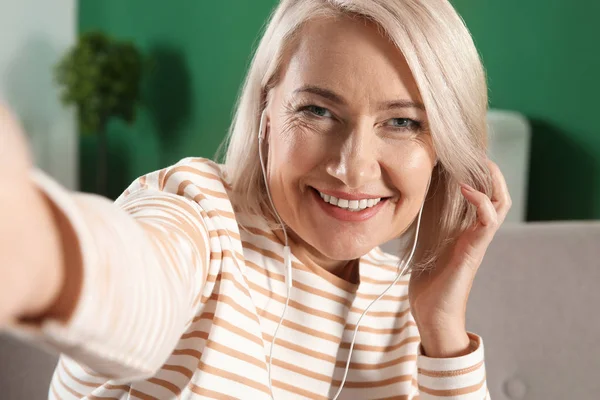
{"x": 344, "y": 214}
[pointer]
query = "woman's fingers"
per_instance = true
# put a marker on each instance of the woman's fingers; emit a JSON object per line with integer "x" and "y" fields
{"x": 500, "y": 194}
{"x": 486, "y": 212}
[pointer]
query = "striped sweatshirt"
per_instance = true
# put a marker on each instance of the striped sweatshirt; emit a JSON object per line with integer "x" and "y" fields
{"x": 181, "y": 295}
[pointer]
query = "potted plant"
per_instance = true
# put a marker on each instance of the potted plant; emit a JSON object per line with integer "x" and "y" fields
{"x": 101, "y": 76}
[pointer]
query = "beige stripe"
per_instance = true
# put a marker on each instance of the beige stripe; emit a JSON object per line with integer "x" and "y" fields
{"x": 193, "y": 228}
{"x": 274, "y": 256}
{"x": 220, "y": 213}
{"x": 210, "y": 393}
{"x": 298, "y": 391}
{"x": 160, "y": 246}
{"x": 233, "y": 377}
{"x": 391, "y": 268}
{"x": 325, "y": 315}
{"x": 228, "y": 276}
{"x": 381, "y": 331}
{"x": 194, "y": 171}
{"x": 187, "y": 352}
{"x": 92, "y": 397}
{"x": 298, "y": 370}
{"x": 300, "y": 349}
{"x": 199, "y": 197}
{"x": 236, "y": 354}
{"x": 67, "y": 388}
{"x": 214, "y": 193}
{"x": 386, "y": 297}
{"x": 298, "y": 306}
{"x": 195, "y": 335}
{"x": 178, "y": 368}
{"x": 381, "y": 349}
{"x": 300, "y": 328}
{"x": 273, "y": 238}
{"x": 224, "y": 232}
{"x": 332, "y": 359}
{"x": 375, "y": 367}
{"x": 414, "y": 383}
{"x": 54, "y": 392}
{"x": 383, "y": 314}
{"x": 266, "y": 272}
{"x": 141, "y": 395}
{"x": 238, "y": 331}
{"x": 92, "y": 373}
{"x": 452, "y": 392}
{"x": 371, "y": 384}
{"x": 81, "y": 382}
{"x": 233, "y": 304}
{"x": 204, "y": 315}
{"x": 161, "y": 178}
{"x": 267, "y": 235}
{"x": 176, "y": 390}
{"x": 446, "y": 374}
{"x": 179, "y": 209}
{"x": 116, "y": 387}
{"x": 366, "y": 279}
{"x": 298, "y": 285}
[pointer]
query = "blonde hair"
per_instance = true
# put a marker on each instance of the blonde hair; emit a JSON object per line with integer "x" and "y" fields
{"x": 447, "y": 69}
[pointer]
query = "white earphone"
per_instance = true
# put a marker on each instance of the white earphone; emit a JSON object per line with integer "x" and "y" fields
{"x": 287, "y": 260}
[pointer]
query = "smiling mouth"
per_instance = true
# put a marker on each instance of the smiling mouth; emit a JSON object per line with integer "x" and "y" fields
{"x": 350, "y": 205}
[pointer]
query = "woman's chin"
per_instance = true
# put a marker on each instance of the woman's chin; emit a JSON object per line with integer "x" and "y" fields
{"x": 340, "y": 251}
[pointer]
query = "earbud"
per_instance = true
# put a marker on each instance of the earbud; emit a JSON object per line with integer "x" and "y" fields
{"x": 262, "y": 126}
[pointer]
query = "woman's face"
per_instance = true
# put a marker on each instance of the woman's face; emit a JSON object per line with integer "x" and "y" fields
{"x": 349, "y": 154}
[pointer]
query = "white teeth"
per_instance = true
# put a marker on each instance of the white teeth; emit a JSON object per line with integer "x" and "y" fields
{"x": 351, "y": 205}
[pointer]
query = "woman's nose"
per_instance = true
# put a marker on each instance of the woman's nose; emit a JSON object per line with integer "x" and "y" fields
{"x": 356, "y": 163}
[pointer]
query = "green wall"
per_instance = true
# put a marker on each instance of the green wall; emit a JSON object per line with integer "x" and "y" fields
{"x": 542, "y": 58}
{"x": 200, "y": 51}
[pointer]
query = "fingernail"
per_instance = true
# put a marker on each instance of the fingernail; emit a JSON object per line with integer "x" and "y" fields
{"x": 467, "y": 187}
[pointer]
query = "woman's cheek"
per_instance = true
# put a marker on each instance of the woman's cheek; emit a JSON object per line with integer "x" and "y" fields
{"x": 304, "y": 147}
{"x": 410, "y": 169}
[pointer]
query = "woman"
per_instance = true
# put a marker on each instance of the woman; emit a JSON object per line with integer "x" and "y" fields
{"x": 248, "y": 280}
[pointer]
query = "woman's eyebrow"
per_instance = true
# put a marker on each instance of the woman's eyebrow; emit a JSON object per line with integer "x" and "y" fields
{"x": 390, "y": 105}
{"x": 325, "y": 93}
{"x": 336, "y": 98}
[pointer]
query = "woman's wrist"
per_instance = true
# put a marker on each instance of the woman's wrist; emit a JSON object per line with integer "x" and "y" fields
{"x": 445, "y": 343}
{"x": 59, "y": 278}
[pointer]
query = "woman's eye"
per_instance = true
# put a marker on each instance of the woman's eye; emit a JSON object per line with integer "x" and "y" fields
{"x": 318, "y": 111}
{"x": 404, "y": 123}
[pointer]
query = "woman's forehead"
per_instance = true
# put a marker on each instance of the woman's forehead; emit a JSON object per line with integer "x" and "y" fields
{"x": 350, "y": 57}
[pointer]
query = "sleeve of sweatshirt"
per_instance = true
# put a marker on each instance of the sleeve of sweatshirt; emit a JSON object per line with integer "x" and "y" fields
{"x": 144, "y": 262}
{"x": 453, "y": 378}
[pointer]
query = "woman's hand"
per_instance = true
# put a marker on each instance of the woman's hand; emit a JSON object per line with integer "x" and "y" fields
{"x": 30, "y": 271}
{"x": 438, "y": 298}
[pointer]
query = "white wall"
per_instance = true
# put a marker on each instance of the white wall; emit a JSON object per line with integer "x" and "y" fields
{"x": 34, "y": 34}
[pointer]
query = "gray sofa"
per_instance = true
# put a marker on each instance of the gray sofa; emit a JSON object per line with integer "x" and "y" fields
{"x": 535, "y": 302}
